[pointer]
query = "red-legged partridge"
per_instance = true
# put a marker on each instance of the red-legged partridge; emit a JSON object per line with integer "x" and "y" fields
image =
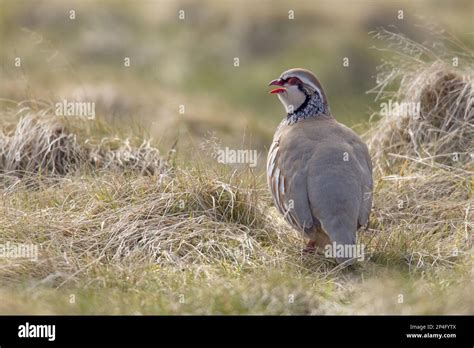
{"x": 319, "y": 171}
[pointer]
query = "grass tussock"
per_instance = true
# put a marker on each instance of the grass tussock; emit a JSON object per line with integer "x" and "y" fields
{"x": 427, "y": 109}
{"x": 43, "y": 143}
{"x": 422, "y": 157}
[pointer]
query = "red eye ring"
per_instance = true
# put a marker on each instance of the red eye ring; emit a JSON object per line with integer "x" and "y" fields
{"x": 293, "y": 81}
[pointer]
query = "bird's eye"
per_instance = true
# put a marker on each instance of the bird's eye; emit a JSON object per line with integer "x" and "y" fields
{"x": 293, "y": 81}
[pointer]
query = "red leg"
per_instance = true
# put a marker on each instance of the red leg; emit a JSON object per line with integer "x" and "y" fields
{"x": 310, "y": 247}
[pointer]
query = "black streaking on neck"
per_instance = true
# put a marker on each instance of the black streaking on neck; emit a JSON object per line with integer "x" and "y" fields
{"x": 312, "y": 106}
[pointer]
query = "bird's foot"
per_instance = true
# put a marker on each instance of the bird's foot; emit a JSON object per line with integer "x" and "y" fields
{"x": 310, "y": 247}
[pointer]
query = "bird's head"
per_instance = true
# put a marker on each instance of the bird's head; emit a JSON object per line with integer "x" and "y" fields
{"x": 295, "y": 87}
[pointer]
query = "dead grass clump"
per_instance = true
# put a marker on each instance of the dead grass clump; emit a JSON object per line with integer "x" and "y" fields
{"x": 188, "y": 220}
{"x": 429, "y": 115}
{"x": 192, "y": 221}
{"x": 121, "y": 155}
{"x": 40, "y": 145}
{"x": 422, "y": 158}
{"x": 46, "y": 144}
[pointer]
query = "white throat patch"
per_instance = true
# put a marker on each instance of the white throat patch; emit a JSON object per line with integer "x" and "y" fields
{"x": 292, "y": 99}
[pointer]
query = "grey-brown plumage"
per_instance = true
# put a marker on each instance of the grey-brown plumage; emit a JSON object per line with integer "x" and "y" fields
{"x": 319, "y": 171}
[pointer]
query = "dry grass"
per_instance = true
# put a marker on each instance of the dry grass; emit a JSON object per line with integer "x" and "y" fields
{"x": 423, "y": 160}
{"x": 43, "y": 143}
{"x": 190, "y": 219}
{"x": 438, "y": 123}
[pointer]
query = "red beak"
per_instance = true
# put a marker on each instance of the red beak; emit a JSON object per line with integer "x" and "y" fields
{"x": 277, "y": 82}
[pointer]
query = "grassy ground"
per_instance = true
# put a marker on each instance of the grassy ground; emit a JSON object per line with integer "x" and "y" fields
{"x": 205, "y": 242}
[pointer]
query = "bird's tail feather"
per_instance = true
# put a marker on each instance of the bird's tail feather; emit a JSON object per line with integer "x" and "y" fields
{"x": 343, "y": 240}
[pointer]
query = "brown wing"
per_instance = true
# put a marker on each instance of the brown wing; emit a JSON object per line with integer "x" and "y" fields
{"x": 287, "y": 181}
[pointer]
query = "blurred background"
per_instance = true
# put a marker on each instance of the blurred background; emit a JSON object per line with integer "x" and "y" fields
{"x": 184, "y": 53}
